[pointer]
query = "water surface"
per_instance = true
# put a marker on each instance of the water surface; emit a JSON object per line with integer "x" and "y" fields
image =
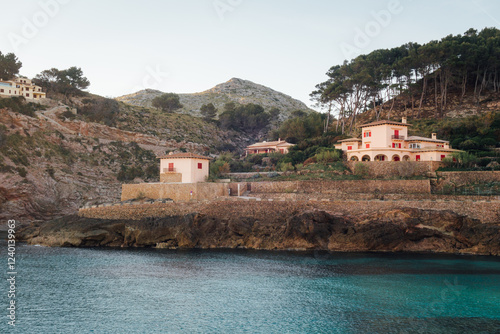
{"x": 68, "y": 290}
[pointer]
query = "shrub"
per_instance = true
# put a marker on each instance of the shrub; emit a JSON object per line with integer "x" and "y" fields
{"x": 22, "y": 171}
{"x": 362, "y": 170}
{"x": 325, "y": 157}
{"x": 285, "y": 166}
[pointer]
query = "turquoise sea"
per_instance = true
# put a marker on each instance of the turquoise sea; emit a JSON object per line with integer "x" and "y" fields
{"x": 68, "y": 290}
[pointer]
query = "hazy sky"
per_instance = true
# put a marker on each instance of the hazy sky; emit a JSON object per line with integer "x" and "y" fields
{"x": 188, "y": 46}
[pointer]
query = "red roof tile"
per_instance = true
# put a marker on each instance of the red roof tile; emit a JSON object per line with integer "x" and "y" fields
{"x": 186, "y": 155}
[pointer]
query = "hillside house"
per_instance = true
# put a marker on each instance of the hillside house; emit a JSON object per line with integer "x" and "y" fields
{"x": 21, "y": 87}
{"x": 184, "y": 168}
{"x": 389, "y": 141}
{"x": 280, "y": 146}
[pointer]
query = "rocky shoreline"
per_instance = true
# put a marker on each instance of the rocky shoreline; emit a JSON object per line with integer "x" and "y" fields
{"x": 388, "y": 230}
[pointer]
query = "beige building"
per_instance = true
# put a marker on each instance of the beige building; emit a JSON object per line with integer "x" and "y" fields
{"x": 280, "y": 146}
{"x": 21, "y": 87}
{"x": 389, "y": 141}
{"x": 184, "y": 168}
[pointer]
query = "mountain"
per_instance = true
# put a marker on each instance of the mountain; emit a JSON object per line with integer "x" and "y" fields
{"x": 234, "y": 90}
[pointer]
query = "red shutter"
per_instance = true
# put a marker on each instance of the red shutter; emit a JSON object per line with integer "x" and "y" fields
{"x": 349, "y": 147}
{"x": 200, "y": 166}
{"x": 442, "y": 157}
{"x": 170, "y": 166}
{"x": 418, "y": 158}
{"x": 396, "y": 134}
{"x": 367, "y": 145}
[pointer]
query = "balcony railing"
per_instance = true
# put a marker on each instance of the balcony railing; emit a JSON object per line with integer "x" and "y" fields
{"x": 169, "y": 170}
{"x": 398, "y": 137}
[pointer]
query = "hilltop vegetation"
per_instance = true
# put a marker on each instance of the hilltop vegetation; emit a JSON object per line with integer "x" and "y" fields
{"x": 439, "y": 74}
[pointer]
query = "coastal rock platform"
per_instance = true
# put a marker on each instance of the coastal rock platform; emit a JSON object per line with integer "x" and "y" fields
{"x": 286, "y": 226}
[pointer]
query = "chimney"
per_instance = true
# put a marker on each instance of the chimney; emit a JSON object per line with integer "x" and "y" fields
{"x": 403, "y": 120}
{"x": 279, "y": 139}
{"x": 434, "y": 136}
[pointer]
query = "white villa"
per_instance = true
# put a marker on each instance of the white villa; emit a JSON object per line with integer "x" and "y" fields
{"x": 389, "y": 141}
{"x": 21, "y": 87}
{"x": 184, "y": 167}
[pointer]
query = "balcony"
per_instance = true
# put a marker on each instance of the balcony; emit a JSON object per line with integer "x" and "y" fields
{"x": 398, "y": 137}
{"x": 169, "y": 170}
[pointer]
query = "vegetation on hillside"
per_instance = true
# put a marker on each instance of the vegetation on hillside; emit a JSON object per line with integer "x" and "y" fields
{"x": 66, "y": 82}
{"x": 9, "y": 66}
{"x": 458, "y": 63}
{"x": 168, "y": 102}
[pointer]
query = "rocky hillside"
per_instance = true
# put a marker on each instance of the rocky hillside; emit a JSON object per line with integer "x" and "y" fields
{"x": 53, "y": 159}
{"x": 234, "y": 90}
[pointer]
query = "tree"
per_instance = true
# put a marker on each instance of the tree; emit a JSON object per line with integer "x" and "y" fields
{"x": 208, "y": 111}
{"x": 9, "y": 66}
{"x": 168, "y": 102}
{"x": 67, "y": 82}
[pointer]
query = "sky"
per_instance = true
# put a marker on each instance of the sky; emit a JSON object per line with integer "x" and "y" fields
{"x": 188, "y": 46}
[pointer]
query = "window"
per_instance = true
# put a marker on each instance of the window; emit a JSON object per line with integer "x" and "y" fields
{"x": 415, "y": 145}
{"x": 27, "y": 95}
{"x": 367, "y": 134}
{"x": 170, "y": 166}
{"x": 349, "y": 148}
{"x": 367, "y": 145}
{"x": 200, "y": 166}
{"x": 396, "y": 145}
{"x": 1, "y": 90}
{"x": 442, "y": 157}
{"x": 418, "y": 158}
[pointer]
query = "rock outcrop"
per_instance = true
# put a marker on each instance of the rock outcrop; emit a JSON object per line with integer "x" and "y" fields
{"x": 398, "y": 230}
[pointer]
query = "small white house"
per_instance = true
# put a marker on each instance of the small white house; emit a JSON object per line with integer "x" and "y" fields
{"x": 184, "y": 168}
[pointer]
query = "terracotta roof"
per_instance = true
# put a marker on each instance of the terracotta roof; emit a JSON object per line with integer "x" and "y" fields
{"x": 349, "y": 139}
{"x": 382, "y": 123}
{"x": 411, "y": 138}
{"x": 184, "y": 156}
{"x": 269, "y": 144}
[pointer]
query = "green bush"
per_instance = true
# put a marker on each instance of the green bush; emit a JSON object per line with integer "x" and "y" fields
{"x": 326, "y": 157}
{"x": 362, "y": 170}
{"x": 22, "y": 171}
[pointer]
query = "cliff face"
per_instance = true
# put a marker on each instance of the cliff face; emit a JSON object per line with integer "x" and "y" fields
{"x": 234, "y": 90}
{"x": 409, "y": 230}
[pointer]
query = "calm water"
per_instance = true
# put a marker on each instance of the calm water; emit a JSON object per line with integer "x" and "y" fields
{"x": 63, "y": 290}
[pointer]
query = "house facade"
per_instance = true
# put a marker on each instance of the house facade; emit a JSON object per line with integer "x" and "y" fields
{"x": 21, "y": 87}
{"x": 184, "y": 168}
{"x": 280, "y": 146}
{"x": 389, "y": 141}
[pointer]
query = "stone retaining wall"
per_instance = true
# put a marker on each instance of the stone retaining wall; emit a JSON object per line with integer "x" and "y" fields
{"x": 175, "y": 191}
{"x": 344, "y": 187}
{"x": 387, "y": 169}
{"x": 233, "y": 208}
{"x": 170, "y": 177}
{"x": 462, "y": 178}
